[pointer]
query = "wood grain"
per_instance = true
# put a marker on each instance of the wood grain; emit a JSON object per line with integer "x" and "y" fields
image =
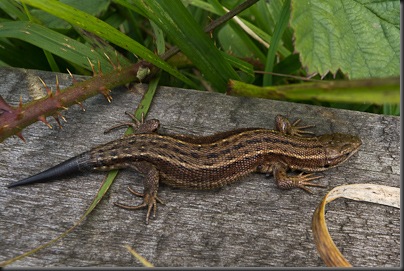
{"x": 249, "y": 223}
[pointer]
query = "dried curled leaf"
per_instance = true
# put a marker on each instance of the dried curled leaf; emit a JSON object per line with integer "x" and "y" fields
{"x": 326, "y": 247}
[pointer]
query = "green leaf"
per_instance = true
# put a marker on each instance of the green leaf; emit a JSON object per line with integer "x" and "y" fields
{"x": 105, "y": 31}
{"x": 104, "y": 48}
{"x": 160, "y": 42}
{"x": 362, "y": 38}
{"x": 178, "y": 24}
{"x": 236, "y": 32}
{"x": 232, "y": 43}
{"x": 10, "y": 7}
{"x": 93, "y": 7}
{"x": 231, "y": 40}
{"x": 52, "y": 41}
{"x": 245, "y": 67}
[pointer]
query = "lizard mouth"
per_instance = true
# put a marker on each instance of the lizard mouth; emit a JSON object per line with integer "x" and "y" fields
{"x": 337, "y": 156}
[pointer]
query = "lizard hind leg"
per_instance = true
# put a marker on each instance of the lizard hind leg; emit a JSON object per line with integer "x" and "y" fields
{"x": 151, "y": 184}
{"x": 149, "y": 202}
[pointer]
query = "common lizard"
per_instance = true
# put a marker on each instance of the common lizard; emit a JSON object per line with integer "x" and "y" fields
{"x": 212, "y": 161}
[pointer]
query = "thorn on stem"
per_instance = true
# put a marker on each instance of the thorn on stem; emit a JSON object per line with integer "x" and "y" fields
{"x": 104, "y": 91}
{"x": 48, "y": 89}
{"x": 72, "y": 76}
{"x": 110, "y": 61}
{"x": 43, "y": 119}
{"x": 58, "y": 121}
{"x": 19, "y": 134}
{"x": 4, "y": 106}
{"x": 81, "y": 105}
{"x": 57, "y": 116}
{"x": 92, "y": 66}
{"x": 57, "y": 86}
{"x": 117, "y": 60}
{"x": 20, "y": 104}
{"x": 99, "y": 68}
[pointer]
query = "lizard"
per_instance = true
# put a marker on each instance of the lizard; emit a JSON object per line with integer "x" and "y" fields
{"x": 209, "y": 162}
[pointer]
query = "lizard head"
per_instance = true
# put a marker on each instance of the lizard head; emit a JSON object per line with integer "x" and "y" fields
{"x": 339, "y": 147}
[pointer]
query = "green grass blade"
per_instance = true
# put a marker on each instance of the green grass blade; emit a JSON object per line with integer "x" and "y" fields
{"x": 142, "y": 109}
{"x": 53, "y": 42}
{"x": 178, "y": 24}
{"x": 374, "y": 91}
{"x": 105, "y": 31}
{"x": 276, "y": 40}
{"x": 258, "y": 31}
{"x": 140, "y": 258}
{"x": 160, "y": 42}
{"x": 232, "y": 31}
{"x": 243, "y": 66}
{"x": 10, "y": 7}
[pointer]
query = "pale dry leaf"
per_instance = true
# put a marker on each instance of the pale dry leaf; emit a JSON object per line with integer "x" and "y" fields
{"x": 374, "y": 193}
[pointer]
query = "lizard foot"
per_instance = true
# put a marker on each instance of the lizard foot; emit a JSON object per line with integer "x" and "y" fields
{"x": 302, "y": 180}
{"x": 149, "y": 202}
{"x": 284, "y": 126}
{"x": 299, "y": 181}
{"x": 298, "y": 130}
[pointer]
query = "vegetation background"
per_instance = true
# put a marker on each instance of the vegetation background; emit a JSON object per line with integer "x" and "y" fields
{"x": 268, "y": 50}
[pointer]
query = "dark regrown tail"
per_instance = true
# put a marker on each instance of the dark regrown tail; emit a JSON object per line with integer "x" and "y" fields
{"x": 69, "y": 167}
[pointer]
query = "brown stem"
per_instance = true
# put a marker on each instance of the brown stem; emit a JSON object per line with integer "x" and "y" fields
{"x": 14, "y": 119}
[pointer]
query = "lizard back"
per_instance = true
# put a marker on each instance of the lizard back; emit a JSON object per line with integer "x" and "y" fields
{"x": 213, "y": 161}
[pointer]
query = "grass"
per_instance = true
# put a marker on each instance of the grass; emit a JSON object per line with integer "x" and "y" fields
{"x": 275, "y": 44}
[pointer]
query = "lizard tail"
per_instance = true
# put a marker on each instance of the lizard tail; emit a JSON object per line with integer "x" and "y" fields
{"x": 69, "y": 167}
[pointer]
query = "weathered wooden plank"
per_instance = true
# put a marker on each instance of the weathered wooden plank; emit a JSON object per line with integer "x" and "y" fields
{"x": 249, "y": 223}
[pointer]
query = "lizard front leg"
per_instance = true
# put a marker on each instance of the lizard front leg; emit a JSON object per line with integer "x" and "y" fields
{"x": 284, "y": 126}
{"x": 285, "y": 181}
{"x": 151, "y": 184}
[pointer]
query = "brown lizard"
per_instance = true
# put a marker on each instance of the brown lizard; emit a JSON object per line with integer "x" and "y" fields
{"x": 213, "y": 161}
